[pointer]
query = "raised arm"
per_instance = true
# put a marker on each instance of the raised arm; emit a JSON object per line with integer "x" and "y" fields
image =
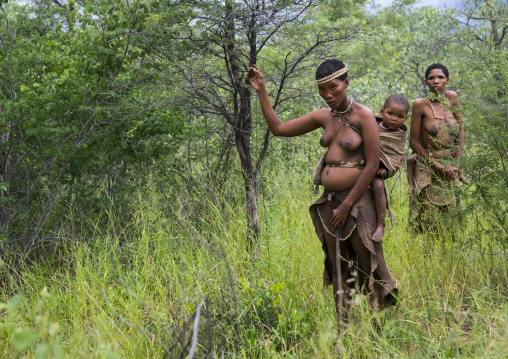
{"x": 370, "y": 134}
{"x": 295, "y": 127}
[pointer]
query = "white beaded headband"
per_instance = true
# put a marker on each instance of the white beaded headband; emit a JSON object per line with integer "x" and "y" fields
{"x": 331, "y": 77}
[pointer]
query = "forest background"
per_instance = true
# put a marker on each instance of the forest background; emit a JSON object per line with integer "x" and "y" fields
{"x": 146, "y": 211}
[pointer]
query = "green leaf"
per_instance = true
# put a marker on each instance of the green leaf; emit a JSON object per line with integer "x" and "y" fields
{"x": 14, "y": 303}
{"x": 24, "y": 339}
{"x": 41, "y": 351}
{"x": 110, "y": 355}
{"x": 57, "y": 351}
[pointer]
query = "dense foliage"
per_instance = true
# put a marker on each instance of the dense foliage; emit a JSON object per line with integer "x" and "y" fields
{"x": 78, "y": 111}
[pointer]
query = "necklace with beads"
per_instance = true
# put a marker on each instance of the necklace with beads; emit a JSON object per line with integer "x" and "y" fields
{"x": 434, "y": 112}
{"x": 343, "y": 116}
{"x": 336, "y": 113}
{"x": 383, "y": 126}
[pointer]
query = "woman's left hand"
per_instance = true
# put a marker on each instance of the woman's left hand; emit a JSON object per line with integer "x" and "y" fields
{"x": 256, "y": 78}
{"x": 451, "y": 172}
{"x": 340, "y": 215}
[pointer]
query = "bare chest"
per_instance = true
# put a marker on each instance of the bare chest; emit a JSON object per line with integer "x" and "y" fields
{"x": 438, "y": 121}
{"x": 341, "y": 135}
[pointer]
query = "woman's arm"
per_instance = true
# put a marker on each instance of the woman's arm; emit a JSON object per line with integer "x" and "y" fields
{"x": 456, "y": 110}
{"x": 295, "y": 127}
{"x": 411, "y": 161}
{"x": 370, "y": 134}
{"x": 414, "y": 131}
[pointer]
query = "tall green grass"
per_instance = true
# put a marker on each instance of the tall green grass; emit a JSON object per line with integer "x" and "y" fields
{"x": 132, "y": 286}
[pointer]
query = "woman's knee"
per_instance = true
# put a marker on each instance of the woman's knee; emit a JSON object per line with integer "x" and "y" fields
{"x": 378, "y": 185}
{"x": 361, "y": 251}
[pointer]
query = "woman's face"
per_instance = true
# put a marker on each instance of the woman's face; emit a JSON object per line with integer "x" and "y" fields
{"x": 334, "y": 92}
{"x": 437, "y": 81}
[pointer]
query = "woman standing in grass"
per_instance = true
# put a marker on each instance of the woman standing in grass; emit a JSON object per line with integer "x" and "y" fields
{"x": 436, "y": 137}
{"x": 346, "y": 208}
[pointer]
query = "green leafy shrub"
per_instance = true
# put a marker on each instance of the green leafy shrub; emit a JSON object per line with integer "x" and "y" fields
{"x": 263, "y": 310}
{"x": 37, "y": 335}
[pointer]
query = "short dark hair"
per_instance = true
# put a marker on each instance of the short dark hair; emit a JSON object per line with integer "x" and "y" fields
{"x": 398, "y": 99}
{"x": 439, "y": 66}
{"x": 329, "y": 67}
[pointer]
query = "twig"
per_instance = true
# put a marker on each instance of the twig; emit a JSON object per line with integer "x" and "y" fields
{"x": 195, "y": 329}
{"x": 339, "y": 279}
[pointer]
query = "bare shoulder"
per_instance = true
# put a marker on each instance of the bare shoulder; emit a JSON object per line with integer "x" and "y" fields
{"x": 321, "y": 115}
{"x": 419, "y": 102}
{"x": 364, "y": 112}
{"x": 452, "y": 96}
{"x": 322, "y": 112}
{"x": 362, "y": 116}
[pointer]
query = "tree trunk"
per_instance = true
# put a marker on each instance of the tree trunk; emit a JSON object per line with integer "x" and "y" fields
{"x": 250, "y": 173}
{"x": 251, "y": 198}
{"x": 243, "y": 128}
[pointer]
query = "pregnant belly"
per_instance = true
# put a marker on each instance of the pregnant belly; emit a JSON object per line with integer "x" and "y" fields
{"x": 338, "y": 179}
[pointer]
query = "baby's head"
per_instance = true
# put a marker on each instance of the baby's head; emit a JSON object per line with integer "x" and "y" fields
{"x": 395, "y": 111}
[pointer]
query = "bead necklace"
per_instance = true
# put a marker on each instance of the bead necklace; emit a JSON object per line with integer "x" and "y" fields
{"x": 439, "y": 104}
{"x": 342, "y": 116}
{"x": 383, "y": 126}
{"x": 434, "y": 113}
{"x": 336, "y": 113}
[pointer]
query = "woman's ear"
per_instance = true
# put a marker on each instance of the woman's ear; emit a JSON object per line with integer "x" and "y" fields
{"x": 346, "y": 82}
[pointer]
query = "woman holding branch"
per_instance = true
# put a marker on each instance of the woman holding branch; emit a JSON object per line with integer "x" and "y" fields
{"x": 345, "y": 211}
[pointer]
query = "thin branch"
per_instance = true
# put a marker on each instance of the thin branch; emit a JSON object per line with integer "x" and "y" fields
{"x": 505, "y": 29}
{"x": 264, "y": 151}
{"x": 195, "y": 329}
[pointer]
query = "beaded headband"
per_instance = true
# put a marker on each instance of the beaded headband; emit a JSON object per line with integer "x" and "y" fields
{"x": 331, "y": 77}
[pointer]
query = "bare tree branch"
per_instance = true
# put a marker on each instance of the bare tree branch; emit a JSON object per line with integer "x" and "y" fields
{"x": 195, "y": 329}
